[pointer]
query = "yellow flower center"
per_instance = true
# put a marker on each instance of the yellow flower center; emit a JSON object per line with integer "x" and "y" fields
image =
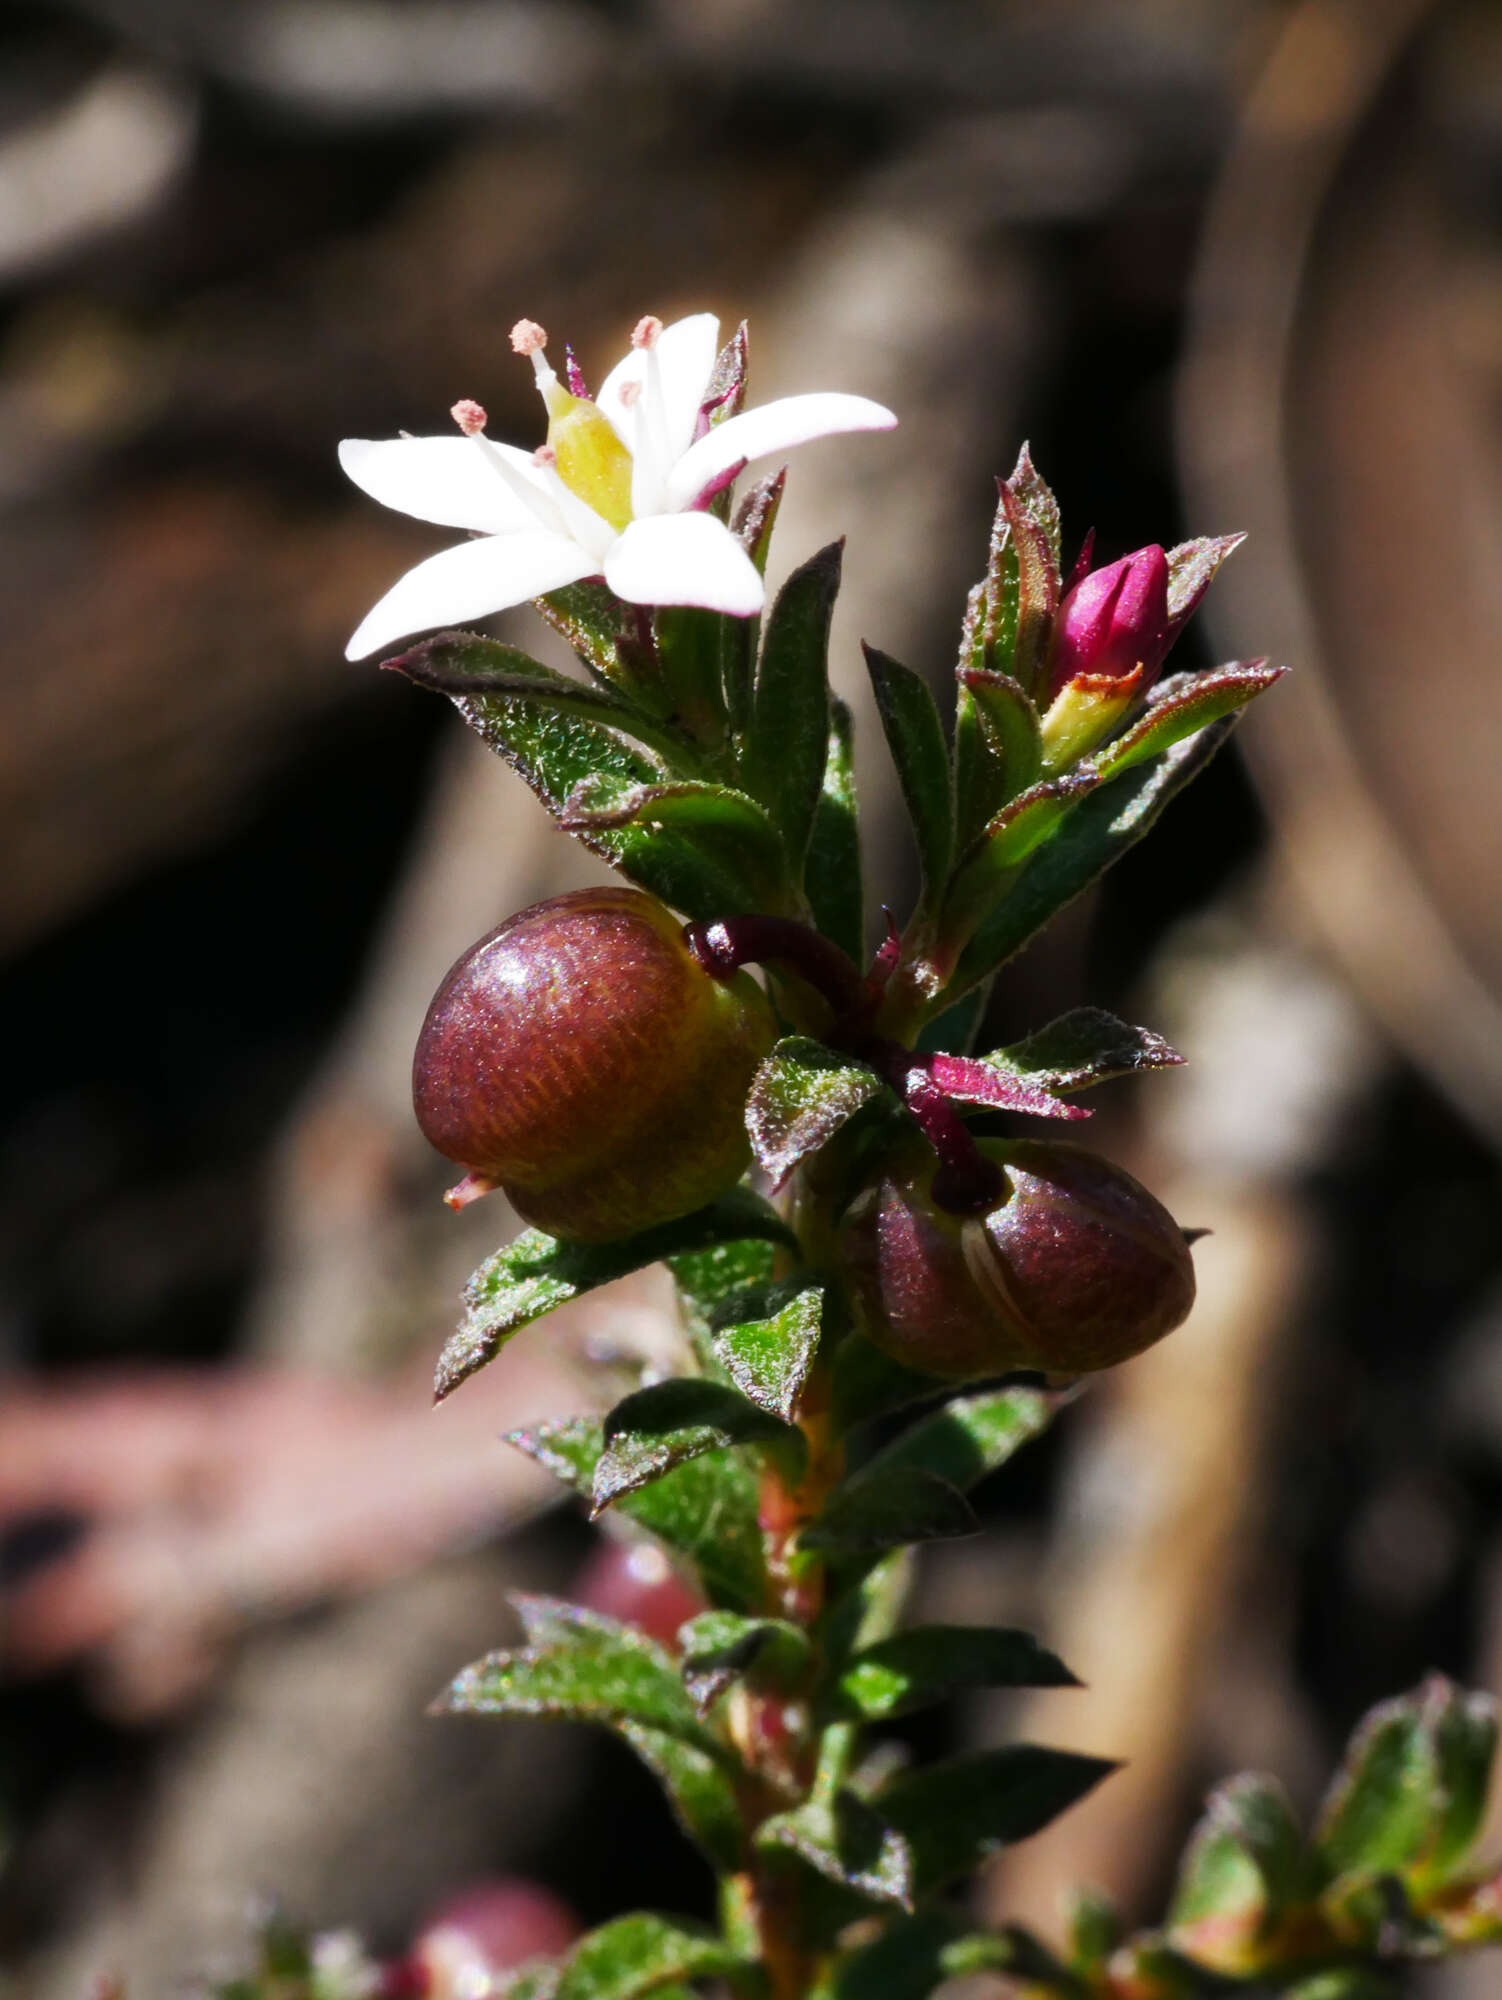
{"x": 591, "y": 460}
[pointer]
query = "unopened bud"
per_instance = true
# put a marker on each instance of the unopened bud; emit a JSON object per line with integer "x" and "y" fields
{"x": 1114, "y": 621}
{"x": 1074, "y": 1268}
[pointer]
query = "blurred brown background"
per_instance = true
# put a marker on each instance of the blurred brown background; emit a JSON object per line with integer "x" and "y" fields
{"x": 1227, "y": 263}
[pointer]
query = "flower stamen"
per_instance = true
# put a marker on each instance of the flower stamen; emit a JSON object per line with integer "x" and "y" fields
{"x": 469, "y": 416}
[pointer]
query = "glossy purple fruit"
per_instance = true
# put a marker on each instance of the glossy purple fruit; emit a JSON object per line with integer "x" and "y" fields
{"x": 582, "y": 1059}
{"x": 1075, "y": 1268}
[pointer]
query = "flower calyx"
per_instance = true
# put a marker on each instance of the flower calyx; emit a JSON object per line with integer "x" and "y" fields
{"x": 1111, "y": 636}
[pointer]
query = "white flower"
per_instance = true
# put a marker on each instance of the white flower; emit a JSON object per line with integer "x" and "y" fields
{"x": 620, "y": 489}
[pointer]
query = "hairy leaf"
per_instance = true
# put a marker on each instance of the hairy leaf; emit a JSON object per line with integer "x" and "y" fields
{"x": 1100, "y": 830}
{"x": 832, "y": 869}
{"x": 981, "y": 1081}
{"x": 1410, "y": 1793}
{"x": 706, "y": 1278}
{"x": 954, "y": 1814}
{"x": 787, "y": 740}
{"x": 654, "y": 1429}
{"x": 720, "y": 1648}
{"x": 1181, "y": 706}
{"x": 567, "y": 743}
{"x": 1036, "y": 555}
{"x": 998, "y": 747}
{"x": 731, "y": 830}
{"x": 766, "y": 1345}
{"x": 1081, "y": 1048}
{"x": 537, "y": 1273}
{"x": 848, "y": 1842}
{"x": 969, "y": 1437}
{"x": 904, "y": 1503}
{"x": 915, "y": 737}
{"x": 799, "y": 1098}
{"x": 1035, "y": 497}
{"x": 755, "y": 518}
{"x": 928, "y": 1663}
{"x": 704, "y": 1510}
{"x": 1191, "y": 569}
{"x": 699, "y": 1790}
{"x": 581, "y": 1665}
{"x": 588, "y": 616}
{"x": 985, "y": 871}
{"x": 642, "y": 1954}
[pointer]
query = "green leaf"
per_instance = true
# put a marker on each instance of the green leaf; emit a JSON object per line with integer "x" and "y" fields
{"x": 721, "y": 1647}
{"x": 1180, "y": 706}
{"x": 928, "y": 1663}
{"x": 730, "y": 829}
{"x": 848, "y": 1842}
{"x": 904, "y": 1963}
{"x": 588, "y": 616}
{"x": 988, "y": 636}
{"x": 1353, "y": 1983}
{"x": 998, "y": 747}
{"x": 493, "y": 684}
{"x": 537, "y": 1273}
{"x": 1191, "y": 569}
{"x": 869, "y": 1609}
{"x": 1034, "y": 496}
{"x": 642, "y": 1954}
{"x": 766, "y": 1345}
{"x": 755, "y": 518}
{"x": 869, "y": 1384}
{"x": 1035, "y": 551}
{"x": 954, "y": 1814}
{"x": 1412, "y": 1788}
{"x": 1095, "y": 1929}
{"x": 799, "y": 1098}
{"x": 1016, "y": 1953}
{"x": 1082, "y": 1048}
{"x": 559, "y": 747}
{"x": 705, "y": 1510}
{"x": 832, "y": 868}
{"x": 654, "y": 1429}
{"x": 787, "y": 741}
{"x": 1100, "y": 830}
{"x": 985, "y": 870}
{"x": 969, "y": 1437}
{"x": 873, "y": 1510}
{"x": 699, "y": 1790}
{"x": 688, "y": 650}
{"x": 1255, "y": 1811}
{"x": 915, "y": 737}
{"x": 581, "y": 1665}
{"x": 705, "y": 1279}
{"x": 1221, "y": 1907}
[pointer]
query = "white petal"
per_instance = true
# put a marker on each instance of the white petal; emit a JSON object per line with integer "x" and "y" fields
{"x": 774, "y": 427}
{"x": 578, "y": 520}
{"x": 471, "y": 581}
{"x": 441, "y": 479}
{"x": 686, "y": 353}
{"x": 684, "y": 559}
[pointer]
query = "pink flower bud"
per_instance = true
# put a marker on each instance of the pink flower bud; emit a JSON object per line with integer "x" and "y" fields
{"x": 1113, "y": 621}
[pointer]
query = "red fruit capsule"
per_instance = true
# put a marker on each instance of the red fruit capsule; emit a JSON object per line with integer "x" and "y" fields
{"x": 581, "y": 1058}
{"x": 1075, "y": 1268}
